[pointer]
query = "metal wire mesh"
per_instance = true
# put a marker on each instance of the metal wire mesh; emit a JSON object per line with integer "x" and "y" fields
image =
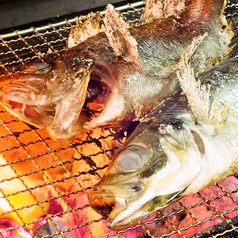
{"x": 44, "y": 183}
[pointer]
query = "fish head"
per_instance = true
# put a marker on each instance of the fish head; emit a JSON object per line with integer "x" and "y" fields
{"x": 43, "y": 94}
{"x": 153, "y": 168}
{"x": 19, "y": 96}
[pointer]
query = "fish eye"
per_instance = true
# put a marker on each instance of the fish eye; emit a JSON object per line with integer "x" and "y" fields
{"x": 132, "y": 158}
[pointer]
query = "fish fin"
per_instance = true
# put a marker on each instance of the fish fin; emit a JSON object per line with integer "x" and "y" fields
{"x": 120, "y": 39}
{"x": 85, "y": 27}
{"x": 155, "y": 10}
{"x": 198, "y": 95}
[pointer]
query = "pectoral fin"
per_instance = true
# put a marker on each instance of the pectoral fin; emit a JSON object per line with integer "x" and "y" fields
{"x": 198, "y": 94}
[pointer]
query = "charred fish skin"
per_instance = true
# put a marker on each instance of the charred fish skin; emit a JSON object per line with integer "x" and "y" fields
{"x": 172, "y": 153}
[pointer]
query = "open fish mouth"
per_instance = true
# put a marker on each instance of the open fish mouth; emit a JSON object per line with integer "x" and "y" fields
{"x": 101, "y": 84}
{"x": 124, "y": 205}
{"x": 120, "y": 203}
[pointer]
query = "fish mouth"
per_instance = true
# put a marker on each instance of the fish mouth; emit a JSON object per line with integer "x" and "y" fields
{"x": 103, "y": 93}
{"x": 122, "y": 205}
{"x": 125, "y": 205}
{"x": 103, "y": 204}
{"x": 97, "y": 94}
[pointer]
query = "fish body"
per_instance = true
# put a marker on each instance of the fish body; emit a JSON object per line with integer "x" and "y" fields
{"x": 55, "y": 97}
{"x": 135, "y": 90}
{"x": 176, "y": 150}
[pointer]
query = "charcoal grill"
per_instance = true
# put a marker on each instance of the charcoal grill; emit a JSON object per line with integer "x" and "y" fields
{"x": 54, "y": 177}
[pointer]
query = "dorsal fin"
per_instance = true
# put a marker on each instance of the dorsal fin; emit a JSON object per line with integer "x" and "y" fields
{"x": 198, "y": 95}
{"x": 122, "y": 42}
{"x": 89, "y": 26}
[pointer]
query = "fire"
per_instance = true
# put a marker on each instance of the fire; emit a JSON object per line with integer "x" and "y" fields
{"x": 17, "y": 202}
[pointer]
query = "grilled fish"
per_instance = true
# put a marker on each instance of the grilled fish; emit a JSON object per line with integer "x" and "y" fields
{"x": 53, "y": 95}
{"x": 186, "y": 143}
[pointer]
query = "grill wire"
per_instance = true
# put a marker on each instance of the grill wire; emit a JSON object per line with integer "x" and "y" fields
{"x": 63, "y": 172}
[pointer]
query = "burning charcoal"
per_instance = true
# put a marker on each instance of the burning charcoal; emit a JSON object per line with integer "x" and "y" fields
{"x": 10, "y": 229}
{"x": 54, "y": 229}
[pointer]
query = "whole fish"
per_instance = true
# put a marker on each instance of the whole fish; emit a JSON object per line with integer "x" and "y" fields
{"x": 53, "y": 95}
{"x": 183, "y": 145}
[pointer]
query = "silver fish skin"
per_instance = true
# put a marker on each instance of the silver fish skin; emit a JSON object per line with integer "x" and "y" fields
{"x": 54, "y": 98}
{"x": 173, "y": 152}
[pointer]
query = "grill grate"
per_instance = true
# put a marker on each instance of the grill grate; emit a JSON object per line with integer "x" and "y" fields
{"x": 46, "y": 182}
